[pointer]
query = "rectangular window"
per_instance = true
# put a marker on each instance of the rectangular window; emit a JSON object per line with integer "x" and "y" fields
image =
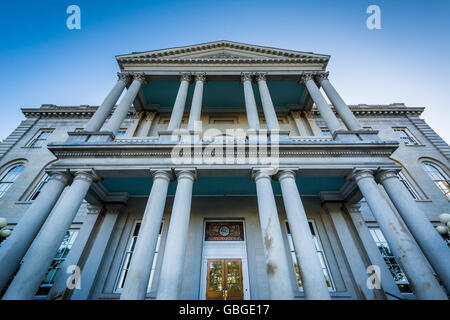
{"x": 39, "y": 139}
{"x": 121, "y": 132}
{"x": 405, "y": 136}
{"x": 409, "y": 186}
{"x": 320, "y": 254}
{"x": 326, "y": 132}
{"x": 391, "y": 261}
{"x": 37, "y": 190}
{"x": 55, "y": 266}
{"x": 129, "y": 253}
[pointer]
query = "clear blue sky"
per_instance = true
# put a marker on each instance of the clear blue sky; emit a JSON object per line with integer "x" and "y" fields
{"x": 406, "y": 61}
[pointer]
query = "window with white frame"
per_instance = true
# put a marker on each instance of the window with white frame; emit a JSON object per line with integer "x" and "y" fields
{"x": 405, "y": 136}
{"x": 39, "y": 139}
{"x": 438, "y": 176}
{"x": 129, "y": 253}
{"x": 392, "y": 263}
{"x": 121, "y": 132}
{"x": 38, "y": 188}
{"x": 320, "y": 254}
{"x": 325, "y": 132}
{"x": 409, "y": 186}
{"x": 55, "y": 266}
{"x": 8, "y": 178}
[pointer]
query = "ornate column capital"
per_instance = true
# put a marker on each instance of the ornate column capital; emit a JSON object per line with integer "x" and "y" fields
{"x": 124, "y": 76}
{"x": 150, "y": 116}
{"x": 322, "y": 76}
{"x": 186, "y": 173}
{"x": 258, "y": 173}
{"x": 261, "y": 76}
{"x": 286, "y": 173}
{"x": 186, "y": 76}
{"x": 163, "y": 173}
{"x": 359, "y": 174}
{"x": 246, "y": 76}
{"x": 86, "y": 175}
{"x": 139, "y": 77}
{"x": 201, "y": 76}
{"x": 305, "y": 77}
{"x": 296, "y": 114}
{"x": 383, "y": 175}
{"x": 61, "y": 176}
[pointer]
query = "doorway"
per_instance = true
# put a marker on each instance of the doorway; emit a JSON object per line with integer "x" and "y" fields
{"x": 224, "y": 280}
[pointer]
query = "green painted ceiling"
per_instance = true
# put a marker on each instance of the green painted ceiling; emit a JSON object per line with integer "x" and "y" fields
{"x": 223, "y": 185}
{"x": 218, "y": 94}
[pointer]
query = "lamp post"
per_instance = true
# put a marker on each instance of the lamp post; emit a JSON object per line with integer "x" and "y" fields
{"x": 444, "y": 229}
{"x": 4, "y": 233}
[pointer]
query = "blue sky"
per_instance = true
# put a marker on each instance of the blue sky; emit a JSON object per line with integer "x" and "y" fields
{"x": 406, "y": 61}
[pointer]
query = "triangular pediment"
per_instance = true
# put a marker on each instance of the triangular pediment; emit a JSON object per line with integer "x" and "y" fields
{"x": 222, "y": 51}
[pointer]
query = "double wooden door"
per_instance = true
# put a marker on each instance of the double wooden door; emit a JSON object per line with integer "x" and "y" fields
{"x": 224, "y": 279}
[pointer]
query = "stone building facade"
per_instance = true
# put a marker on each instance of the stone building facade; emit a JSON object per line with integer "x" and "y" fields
{"x": 220, "y": 170}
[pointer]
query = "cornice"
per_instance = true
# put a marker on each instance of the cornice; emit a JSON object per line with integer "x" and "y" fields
{"x": 52, "y": 111}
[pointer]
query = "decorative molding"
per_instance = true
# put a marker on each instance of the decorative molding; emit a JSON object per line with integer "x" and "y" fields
{"x": 322, "y": 76}
{"x": 305, "y": 77}
{"x": 139, "y": 77}
{"x": 200, "y": 77}
{"x": 246, "y": 76}
{"x": 261, "y": 76}
{"x": 186, "y": 76}
{"x": 124, "y": 76}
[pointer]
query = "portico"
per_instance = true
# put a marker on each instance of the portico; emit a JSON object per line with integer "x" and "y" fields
{"x": 223, "y": 78}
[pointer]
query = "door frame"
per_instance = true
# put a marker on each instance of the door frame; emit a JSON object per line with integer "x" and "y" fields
{"x": 224, "y": 250}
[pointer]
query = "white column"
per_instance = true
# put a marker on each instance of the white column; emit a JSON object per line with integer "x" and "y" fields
{"x": 352, "y": 253}
{"x": 120, "y": 113}
{"x": 340, "y": 106}
{"x": 175, "y": 249}
{"x": 420, "y": 276}
{"x": 196, "y": 107}
{"x": 387, "y": 281}
{"x": 15, "y": 246}
{"x": 277, "y": 267}
{"x": 100, "y": 115}
{"x": 45, "y": 245}
{"x": 250, "y": 104}
{"x": 138, "y": 276}
{"x": 266, "y": 100}
{"x": 321, "y": 104}
{"x": 313, "y": 279}
{"x": 145, "y": 124}
{"x": 180, "y": 102}
{"x": 431, "y": 243}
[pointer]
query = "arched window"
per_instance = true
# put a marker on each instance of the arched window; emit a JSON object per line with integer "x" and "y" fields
{"x": 438, "y": 176}
{"x": 8, "y": 179}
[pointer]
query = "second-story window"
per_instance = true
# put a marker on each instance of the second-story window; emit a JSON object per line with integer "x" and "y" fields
{"x": 405, "y": 136}
{"x": 325, "y": 132}
{"x": 409, "y": 186}
{"x": 37, "y": 190}
{"x": 9, "y": 177}
{"x": 439, "y": 177}
{"x": 39, "y": 139}
{"x": 121, "y": 132}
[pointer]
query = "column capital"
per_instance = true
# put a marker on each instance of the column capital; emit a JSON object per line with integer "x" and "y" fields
{"x": 163, "y": 173}
{"x": 305, "y": 77}
{"x": 86, "y": 175}
{"x": 261, "y": 76}
{"x": 124, "y": 76}
{"x": 62, "y": 176}
{"x": 115, "y": 208}
{"x": 267, "y": 173}
{"x": 189, "y": 173}
{"x": 284, "y": 173}
{"x": 359, "y": 174}
{"x": 322, "y": 76}
{"x": 383, "y": 175}
{"x": 246, "y": 76}
{"x": 185, "y": 76}
{"x": 139, "y": 77}
{"x": 201, "y": 76}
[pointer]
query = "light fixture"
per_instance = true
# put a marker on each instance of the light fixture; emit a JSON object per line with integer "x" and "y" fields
{"x": 445, "y": 227}
{"x": 4, "y": 232}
